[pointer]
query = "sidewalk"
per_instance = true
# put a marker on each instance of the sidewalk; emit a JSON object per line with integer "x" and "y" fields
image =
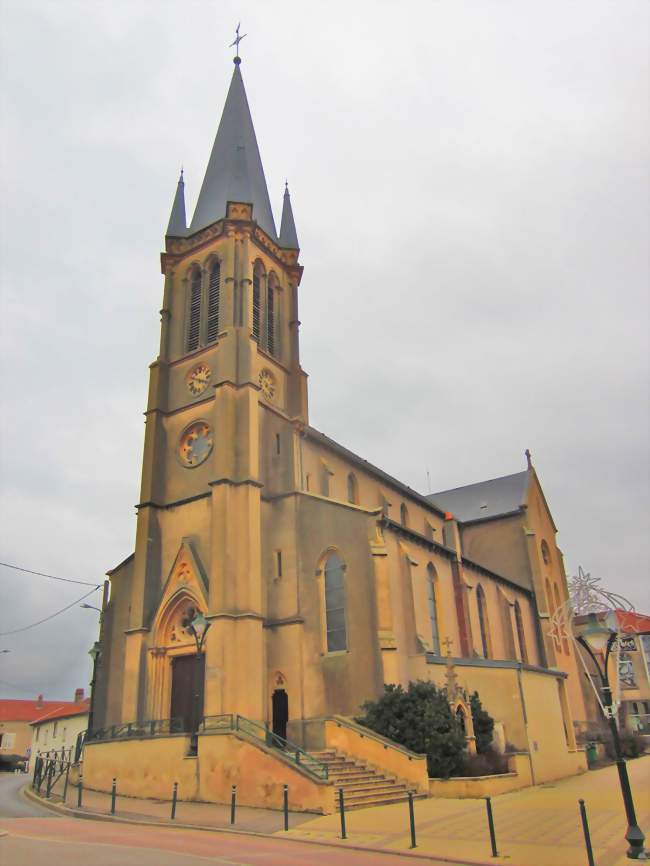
{"x": 534, "y": 827}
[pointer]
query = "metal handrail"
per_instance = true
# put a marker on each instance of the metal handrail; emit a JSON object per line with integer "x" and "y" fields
{"x": 291, "y": 750}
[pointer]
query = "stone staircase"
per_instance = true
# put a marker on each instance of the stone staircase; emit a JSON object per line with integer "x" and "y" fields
{"x": 362, "y": 785}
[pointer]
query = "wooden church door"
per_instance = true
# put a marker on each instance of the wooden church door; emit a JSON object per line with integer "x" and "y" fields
{"x": 188, "y": 675}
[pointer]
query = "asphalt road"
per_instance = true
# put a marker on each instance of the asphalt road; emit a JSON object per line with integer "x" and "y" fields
{"x": 37, "y": 837}
{"x": 13, "y": 805}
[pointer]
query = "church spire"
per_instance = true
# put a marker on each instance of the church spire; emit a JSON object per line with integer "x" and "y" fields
{"x": 177, "y": 225}
{"x": 234, "y": 171}
{"x": 288, "y": 235}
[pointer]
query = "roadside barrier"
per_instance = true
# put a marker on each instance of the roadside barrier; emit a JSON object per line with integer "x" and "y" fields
{"x": 233, "y": 803}
{"x": 342, "y": 811}
{"x": 174, "y": 797}
{"x": 493, "y": 838}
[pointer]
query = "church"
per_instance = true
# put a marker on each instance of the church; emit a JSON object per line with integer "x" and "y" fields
{"x": 317, "y": 577}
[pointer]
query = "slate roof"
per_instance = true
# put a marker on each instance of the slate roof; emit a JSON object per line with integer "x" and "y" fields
{"x": 177, "y": 221}
{"x": 484, "y": 500}
{"x": 288, "y": 234}
{"x": 234, "y": 171}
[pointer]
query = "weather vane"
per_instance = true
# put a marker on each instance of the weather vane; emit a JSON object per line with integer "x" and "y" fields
{"x": 238, "y": 39}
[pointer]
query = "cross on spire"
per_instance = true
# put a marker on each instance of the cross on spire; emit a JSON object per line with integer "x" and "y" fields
{"x": 238, "y": 39}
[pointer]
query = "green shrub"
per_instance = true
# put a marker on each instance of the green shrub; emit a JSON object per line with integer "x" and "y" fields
{"x": 489, "y": 763}
{"x": 632, "y": 745}
{"x": 420, "y": 719}
{"x": 483, "y": 725}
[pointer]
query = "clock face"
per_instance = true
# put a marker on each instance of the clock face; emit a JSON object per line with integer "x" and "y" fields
{"x": 267, "y": 384}
{"x": 198, "y": 378}
{"x": 195, "y": 444}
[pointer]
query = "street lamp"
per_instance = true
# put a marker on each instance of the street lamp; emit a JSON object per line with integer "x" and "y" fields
{"x": 199, "y": 627}
{"x": 94, "y": 654}
{"x": 597, "y": 637}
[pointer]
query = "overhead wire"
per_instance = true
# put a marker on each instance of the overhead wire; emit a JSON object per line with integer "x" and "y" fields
{"x": 51, "y": 616}
{"x": 51, "y": 576}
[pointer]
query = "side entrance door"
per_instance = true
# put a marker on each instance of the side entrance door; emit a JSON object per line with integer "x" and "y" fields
{"x": 188, "y": 675}
{"x": 280, "y": 716}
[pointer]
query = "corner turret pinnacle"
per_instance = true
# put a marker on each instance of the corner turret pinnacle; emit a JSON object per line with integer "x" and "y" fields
{"x": 234, "y": 171}
{"x": 288, "y": 234}
{"x": 177, "y": 224}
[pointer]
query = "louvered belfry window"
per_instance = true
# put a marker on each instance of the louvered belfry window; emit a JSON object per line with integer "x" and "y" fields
{"x": 214, "y": 291}
{"x": 270, "y": 319}
{"x": 194, "y": 328}
{"x": 256, "y": 306}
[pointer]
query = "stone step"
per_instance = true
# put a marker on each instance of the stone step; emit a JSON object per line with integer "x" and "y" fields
{"x": 353, "y": 793}
{"x": 351, "y": 778}
{"x": 374, "y": 801}
{"x": 371, "y": 785}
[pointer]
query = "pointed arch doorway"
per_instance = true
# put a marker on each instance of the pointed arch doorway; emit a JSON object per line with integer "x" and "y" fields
{"x": 280, "y": 709}
{"x": 188, "y": 675}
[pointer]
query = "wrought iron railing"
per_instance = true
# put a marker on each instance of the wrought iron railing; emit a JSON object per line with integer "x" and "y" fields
{"x": 49, "y": 767}
{"x": 290, "y": 750}
{"x": 149, "y": 728}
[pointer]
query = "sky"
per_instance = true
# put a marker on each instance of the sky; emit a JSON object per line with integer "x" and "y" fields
{"x": 470, "y": 187}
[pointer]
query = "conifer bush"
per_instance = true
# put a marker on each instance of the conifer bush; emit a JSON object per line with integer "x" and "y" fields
{"x": 420, "y": 719}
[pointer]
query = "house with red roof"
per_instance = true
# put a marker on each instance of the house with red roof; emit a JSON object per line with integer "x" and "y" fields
{"x": 16, "y": 717}
{"x": 60, "y": 728}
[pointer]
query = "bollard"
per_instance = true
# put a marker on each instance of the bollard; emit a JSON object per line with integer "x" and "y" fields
{"x": 286, "y": 807}
{"x": 174, "y": 796}
{"x": 412, "y": 820}
{"x": 493, "y": 838}
{"x": 585, "y": 829}
{"x": 113, "y": 795}
{"x": 342, "y": 811}
{"x": 233, "y": 803}
{"x": 65, "y": 785}
{"x": 80, "y": 789}
{"x": 50, "y": 774}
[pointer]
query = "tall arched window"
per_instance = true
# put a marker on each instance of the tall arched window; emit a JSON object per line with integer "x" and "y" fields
{"x": 335, "y": 604}
{"x": 433, "y": 608}
{"x": 214, "y": 293}
{"x": 257, "y": 280}
{"x": 194, "y": 319}
{"x": 551, "y": 610}
{"x": 403, "y": 515}
{"x": 546, "y": 553}
{"x": 270, "y": 316}
{"x": 483, "y": 622}
{"x": 353, "y": 490}
{"x": 521, "y": 635}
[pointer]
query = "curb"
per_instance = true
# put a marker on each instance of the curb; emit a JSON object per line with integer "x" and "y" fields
{"x": 100, "y": 816}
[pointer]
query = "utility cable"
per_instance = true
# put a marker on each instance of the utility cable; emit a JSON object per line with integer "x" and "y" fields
{"x": 51, "y": 576}
{"x": 51, "y": 616}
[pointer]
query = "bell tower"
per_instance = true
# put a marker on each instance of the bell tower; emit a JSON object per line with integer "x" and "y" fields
{"x": 227, "y": 403}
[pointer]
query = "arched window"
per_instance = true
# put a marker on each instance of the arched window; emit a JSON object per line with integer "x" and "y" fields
{"x": 483, "y": 622}
{"x": 335, "y": 604}
{"x": 353, "y": 489}
{"x": 403, "y": 515}
{"x": 433, "y": 608}
{"x": 520, "y": 633}
{"x": 194, "y": 319}
{"x": 214, "y": 293}
{"x": 460, "y": 718}
{"x": 270, "y": 316}
{"x": 546, "y": 553}
{"x": 257, "y": 280}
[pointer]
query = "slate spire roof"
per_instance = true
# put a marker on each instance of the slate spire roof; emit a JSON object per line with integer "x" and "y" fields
{"x": 234, "y": 171}
{"x": 288, "y": 234}
{"x": 177, "y": 223}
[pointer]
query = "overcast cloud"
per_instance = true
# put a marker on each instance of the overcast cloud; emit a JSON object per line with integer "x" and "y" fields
{"x": 470, "y": 186}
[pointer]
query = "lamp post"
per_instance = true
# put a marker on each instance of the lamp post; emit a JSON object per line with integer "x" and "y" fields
{"x": 94, "y": 654}
{"x": 597, "y": 637}
{"x": 199, "y": 628}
